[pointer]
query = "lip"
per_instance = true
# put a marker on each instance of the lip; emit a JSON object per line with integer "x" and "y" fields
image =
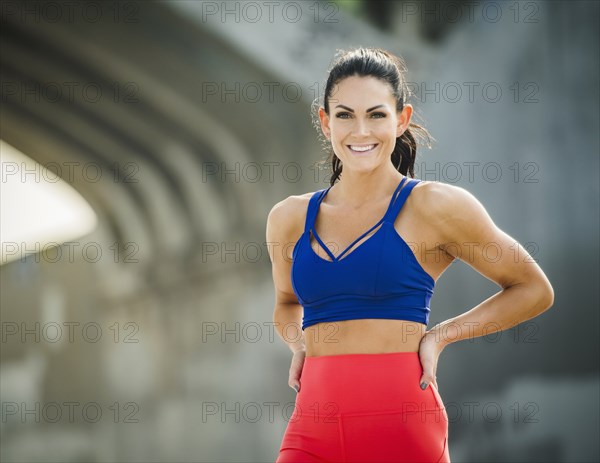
{"x": 362, "y": 153}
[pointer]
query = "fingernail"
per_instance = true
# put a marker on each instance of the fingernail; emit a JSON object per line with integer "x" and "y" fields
{"x": 423, "y": 385}
{"x": 296, "y": 387}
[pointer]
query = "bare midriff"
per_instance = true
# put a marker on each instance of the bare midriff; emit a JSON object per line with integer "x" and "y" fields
{"x": 363, "y": 336}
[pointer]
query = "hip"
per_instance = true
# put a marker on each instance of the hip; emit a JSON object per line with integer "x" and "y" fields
{"x": 355, "y": 384}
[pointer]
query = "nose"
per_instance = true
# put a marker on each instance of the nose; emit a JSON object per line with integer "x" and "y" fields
{"x": 361, "y": 128}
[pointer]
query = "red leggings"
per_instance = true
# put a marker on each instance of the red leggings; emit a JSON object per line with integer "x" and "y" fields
{"x": 365, "y": 408}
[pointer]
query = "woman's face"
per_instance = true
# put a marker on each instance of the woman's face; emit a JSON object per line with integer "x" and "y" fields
{"x": 363, "y": 114}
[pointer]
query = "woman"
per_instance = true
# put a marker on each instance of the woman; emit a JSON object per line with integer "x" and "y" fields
{"x": 363, "y": 364}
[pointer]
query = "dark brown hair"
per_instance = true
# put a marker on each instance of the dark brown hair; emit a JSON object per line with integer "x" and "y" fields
{"x": 373, "y": 62}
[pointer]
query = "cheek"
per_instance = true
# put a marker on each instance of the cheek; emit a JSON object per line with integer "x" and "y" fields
{"x": 390, "y": 137}
{"x": 340, "y": 129}
{"x": 388, "y": 129}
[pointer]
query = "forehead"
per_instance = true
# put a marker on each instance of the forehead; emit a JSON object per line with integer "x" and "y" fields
{"x": 360, "y": 91}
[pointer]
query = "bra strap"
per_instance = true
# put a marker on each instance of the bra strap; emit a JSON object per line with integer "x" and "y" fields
{"x": 313, "y": 206}
{"x": 400, "y": 200}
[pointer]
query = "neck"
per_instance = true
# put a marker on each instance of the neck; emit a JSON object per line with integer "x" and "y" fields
{"x": 355, "y": 189}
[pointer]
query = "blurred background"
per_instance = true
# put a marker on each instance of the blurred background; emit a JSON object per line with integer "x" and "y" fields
{"x": 143, "y": 144}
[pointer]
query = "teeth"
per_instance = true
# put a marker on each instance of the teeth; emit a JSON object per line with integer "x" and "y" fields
{"x": 361, "y": 148}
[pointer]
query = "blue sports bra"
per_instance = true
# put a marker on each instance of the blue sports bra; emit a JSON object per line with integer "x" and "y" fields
{"x": 381, "y": 278}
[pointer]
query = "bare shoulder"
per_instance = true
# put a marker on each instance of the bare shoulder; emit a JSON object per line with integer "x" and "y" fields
{"x": 435, "y": 191}
{"x": 285, "y": 221}
{"x": 442, "y": 201}
{"x": 468, "y": 232}
{"x": 454, "y": 212}
{"x": 289, "y": 211}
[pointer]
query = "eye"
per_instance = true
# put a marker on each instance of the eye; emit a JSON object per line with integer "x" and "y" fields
{"x": 344, "y": 114}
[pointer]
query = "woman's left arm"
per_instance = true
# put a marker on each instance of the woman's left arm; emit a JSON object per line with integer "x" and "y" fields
{"x": 470, "y": 234}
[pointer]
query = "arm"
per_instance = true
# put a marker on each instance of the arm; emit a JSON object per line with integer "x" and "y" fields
{"x": 287, "y": 314}
{"x": 470, "y": 235}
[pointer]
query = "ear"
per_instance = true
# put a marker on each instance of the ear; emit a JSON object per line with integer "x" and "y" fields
{"x": 404, "y": 119}
{"x": 324, "y": 118}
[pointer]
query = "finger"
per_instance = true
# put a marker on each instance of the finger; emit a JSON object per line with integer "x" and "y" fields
{"x": 425, "y": 380}
{"x": 294, "y": 380}
{"x": 295, "y": 385}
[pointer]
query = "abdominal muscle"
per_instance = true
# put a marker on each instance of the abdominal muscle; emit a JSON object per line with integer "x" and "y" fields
{"x": 363, "y": 336}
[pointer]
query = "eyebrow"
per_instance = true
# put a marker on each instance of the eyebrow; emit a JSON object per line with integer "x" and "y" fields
{"x": 351, "y": 110}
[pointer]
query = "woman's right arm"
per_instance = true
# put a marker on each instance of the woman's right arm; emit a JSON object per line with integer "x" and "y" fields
{"x": 282, "y": 223}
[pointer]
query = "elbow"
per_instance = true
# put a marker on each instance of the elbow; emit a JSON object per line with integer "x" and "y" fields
{"x": 545, "y": 296}
{"x": 550, "y": 296}
{"x": 539, "y": 295}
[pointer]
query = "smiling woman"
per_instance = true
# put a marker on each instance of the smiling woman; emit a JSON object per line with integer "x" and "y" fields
{"x": 392, "y": 107}
{"x": 364, "y": 367}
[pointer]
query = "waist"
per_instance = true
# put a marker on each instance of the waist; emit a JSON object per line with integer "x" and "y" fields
{"x": 354, "y": 311}
{"x": 363, "y": 336}
{"x": 363, "y": 383}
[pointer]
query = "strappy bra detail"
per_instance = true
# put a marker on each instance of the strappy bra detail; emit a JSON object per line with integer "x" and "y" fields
{"x": 379, "y": 278}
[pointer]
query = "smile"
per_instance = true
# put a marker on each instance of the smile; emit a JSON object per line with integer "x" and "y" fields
{"x": 362, "y": 150}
